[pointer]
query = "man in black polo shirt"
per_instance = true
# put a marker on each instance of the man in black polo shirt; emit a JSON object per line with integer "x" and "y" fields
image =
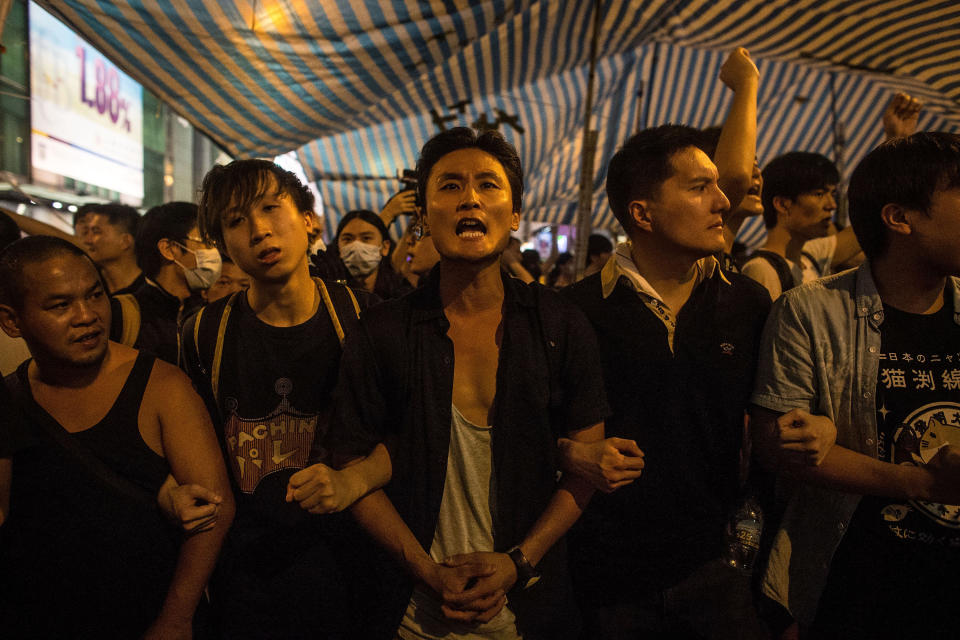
{"x": 678, "y": 340}
{"x": 469, "y": 381}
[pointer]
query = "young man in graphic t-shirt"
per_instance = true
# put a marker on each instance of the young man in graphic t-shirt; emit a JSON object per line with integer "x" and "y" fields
{"x": 869, "y": 540}
{"x": 266, "y": 359}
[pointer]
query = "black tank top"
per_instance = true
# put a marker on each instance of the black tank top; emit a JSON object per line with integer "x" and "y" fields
{"x": 81, "y": 559}
{"x": 117, "y": 444}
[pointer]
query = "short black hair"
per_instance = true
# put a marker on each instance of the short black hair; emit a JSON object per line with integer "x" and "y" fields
{"x": 597, "y": 244}
{"x": 172, "y": 221}
{"x": 905, "y": 171}
{"x": 240, "y": 183}
{"x": 793, "y": 174}
{"x": 119, "y": 215}
{"x": 709, "y": 139}
{"x": 9, "y": 231}
{"x": 17, "y": 255}
{"x": 643, "y": 163}
{"x": 488, "y": 140}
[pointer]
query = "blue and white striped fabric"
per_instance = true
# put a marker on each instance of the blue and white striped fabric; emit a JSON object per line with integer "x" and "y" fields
{"x": 351, "y": 84}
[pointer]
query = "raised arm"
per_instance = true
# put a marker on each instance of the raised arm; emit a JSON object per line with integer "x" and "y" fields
{"x": 737, "y": 148}
{"x": 191, "y": 449}
{"x": 901, "y": 116}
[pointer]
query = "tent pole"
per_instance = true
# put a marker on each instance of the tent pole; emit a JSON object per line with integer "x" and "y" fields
{"x": 839, "y": 147}
{"x": 585, "y": 212}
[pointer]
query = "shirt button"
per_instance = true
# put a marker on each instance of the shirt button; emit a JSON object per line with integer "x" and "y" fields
{"x": 870, "y": 441}
{"x": 446, "y": 359}
{"x": 863, "y": 310}
{"x": 840, "y": 526}
{"x": 872, "y": 349}
{"x": 867, "y": 395}
{"x": 877, "y": 315}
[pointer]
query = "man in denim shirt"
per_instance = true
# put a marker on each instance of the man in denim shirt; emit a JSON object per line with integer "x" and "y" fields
{"x": 862, "y": 544}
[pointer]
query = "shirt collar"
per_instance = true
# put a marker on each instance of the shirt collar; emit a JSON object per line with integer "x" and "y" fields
{"x": 621, "y": 265}
{"x": 869, "y": 302}
{"x": 426, "y": 298}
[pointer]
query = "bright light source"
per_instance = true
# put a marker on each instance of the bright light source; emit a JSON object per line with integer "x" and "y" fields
{"x": 57, "y": 205}
{"x": 21, "y": 208}
{"x": 72, "y": 208}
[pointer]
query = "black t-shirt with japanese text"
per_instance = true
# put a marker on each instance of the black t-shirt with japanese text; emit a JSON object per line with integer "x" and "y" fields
{"x": 897, "y": 564}
{"x": 283, "y": 571}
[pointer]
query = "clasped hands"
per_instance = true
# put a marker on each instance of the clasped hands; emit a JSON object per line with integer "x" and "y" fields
{"x": 473, "y": 587}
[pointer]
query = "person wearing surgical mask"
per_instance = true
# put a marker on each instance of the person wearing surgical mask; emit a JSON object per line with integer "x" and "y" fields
{"x": 178, "y": 266}
{"x": 360, "y": 256}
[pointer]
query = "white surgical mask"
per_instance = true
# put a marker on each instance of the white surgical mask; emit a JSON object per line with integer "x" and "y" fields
{"x": 207, "y": 270}
{"x": 360, "y": 258}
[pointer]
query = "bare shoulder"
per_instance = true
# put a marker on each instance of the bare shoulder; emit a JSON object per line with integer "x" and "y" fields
{"x": 169, "y": 388}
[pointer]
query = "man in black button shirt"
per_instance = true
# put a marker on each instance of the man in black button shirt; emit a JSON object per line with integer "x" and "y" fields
{"x": 678, "y": 340}
{"x": 470, "y": 380}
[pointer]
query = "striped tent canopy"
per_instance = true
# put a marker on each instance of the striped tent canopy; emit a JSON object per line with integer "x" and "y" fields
{"x": 357, "y": 87}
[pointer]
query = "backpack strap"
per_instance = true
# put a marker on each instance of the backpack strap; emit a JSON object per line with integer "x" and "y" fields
{"x": 332, "y": 309}
{"x": 209, "y": 345}
{"x": 780, "y": 265}
{"x": 813, "y": 263}
{"x": 218, "y": 348}
{"x": 130, "y": 318}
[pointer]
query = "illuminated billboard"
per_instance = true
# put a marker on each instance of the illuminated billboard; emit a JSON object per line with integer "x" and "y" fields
{"x": 86, "y": 116}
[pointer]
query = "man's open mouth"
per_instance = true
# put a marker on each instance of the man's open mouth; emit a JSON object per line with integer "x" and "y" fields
{"x": 471, "y": 228}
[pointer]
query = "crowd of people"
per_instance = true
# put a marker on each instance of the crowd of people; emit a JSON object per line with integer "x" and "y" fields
{"x": 219, "y": 431}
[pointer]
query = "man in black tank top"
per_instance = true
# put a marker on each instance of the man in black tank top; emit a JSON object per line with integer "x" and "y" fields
{"x": 85, "y": 552}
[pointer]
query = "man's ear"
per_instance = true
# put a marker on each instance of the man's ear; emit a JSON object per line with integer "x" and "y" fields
{"x": 127, "y": 240}
{"x": 640, "y": 215}
{"x": 311, "y": 219}
{"x": 781, "y": 204}
{"x": 10, "y": 321}
{"x": 515, "y": 221}
{"x": 896, "y": 218}
{"x": 166, "y": 248}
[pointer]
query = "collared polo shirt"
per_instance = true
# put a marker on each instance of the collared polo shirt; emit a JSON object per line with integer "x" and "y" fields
{"x": 681, "y": 395}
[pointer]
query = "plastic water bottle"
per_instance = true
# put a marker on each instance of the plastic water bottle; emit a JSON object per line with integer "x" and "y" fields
{"x": 743, "y": 536}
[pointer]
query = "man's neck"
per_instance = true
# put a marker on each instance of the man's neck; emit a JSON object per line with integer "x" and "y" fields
{"x": 287, "y": 303}
{"x": 120, "y": 274}
{"x": 785, "y": 244}
{"x": 52, "y": 373}
{"x": 671, "y": 274}
{"x": 469, "y": 288}
{"x": 370, "y": 280}
{"x": 905, "y": 283}
{"x": 170, "y": 278}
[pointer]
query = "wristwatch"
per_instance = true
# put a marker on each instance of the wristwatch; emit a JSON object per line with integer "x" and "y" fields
{"x": 527, "y": 576}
